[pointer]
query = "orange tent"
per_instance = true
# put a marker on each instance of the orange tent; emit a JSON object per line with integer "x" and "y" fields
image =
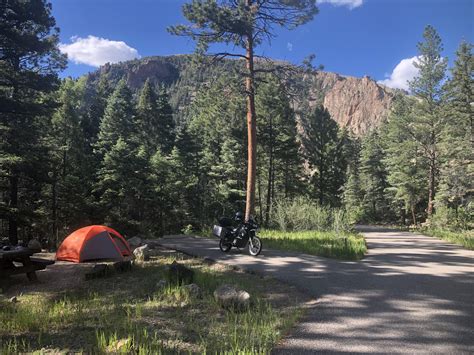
{"x": 92, "y": 243}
